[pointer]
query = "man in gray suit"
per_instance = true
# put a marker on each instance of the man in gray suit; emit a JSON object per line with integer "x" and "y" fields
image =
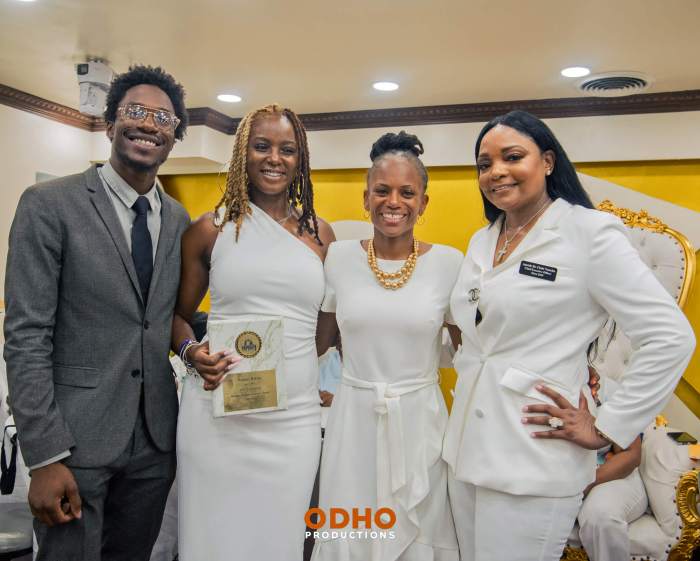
{"x": 92, "y": 276}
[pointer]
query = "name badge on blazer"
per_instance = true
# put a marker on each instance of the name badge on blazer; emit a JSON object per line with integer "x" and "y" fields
{"x": 544, "y": 272}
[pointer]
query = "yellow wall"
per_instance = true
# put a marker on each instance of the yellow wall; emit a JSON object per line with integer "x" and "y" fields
{"x": 455, "y": 212}
{"x": 676, "y": 182}
{"x": 338, "y": 196}
{"x": 690, "y": 391}
{"x": 198, "y": 193}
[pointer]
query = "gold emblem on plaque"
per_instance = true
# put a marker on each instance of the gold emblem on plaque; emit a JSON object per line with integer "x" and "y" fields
{"x": 248, "y": 344}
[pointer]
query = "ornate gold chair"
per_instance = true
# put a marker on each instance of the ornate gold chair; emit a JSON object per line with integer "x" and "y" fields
{"x": 670, "y": 530}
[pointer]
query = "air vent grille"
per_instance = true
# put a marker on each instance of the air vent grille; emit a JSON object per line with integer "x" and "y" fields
{"x": 614, "y": 84}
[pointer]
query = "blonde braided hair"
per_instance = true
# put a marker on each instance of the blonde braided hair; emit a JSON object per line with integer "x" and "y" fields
{"x": 236, "y": 197}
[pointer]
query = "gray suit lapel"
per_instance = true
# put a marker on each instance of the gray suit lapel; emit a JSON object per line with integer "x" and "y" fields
{"x": 105, "y": 209}
{"x": 166, "y": 238}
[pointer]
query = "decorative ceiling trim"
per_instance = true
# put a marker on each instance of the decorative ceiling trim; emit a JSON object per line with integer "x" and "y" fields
{"x": 213, "y": 119}
{"x": 45, "y": 108}
{"x": 480, "y": 112}
{"x": 667, "y": 102}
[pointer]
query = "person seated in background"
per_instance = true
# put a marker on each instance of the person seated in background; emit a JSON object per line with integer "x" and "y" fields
{"x": 617, "y": 496}
{"x": 330, "y": 367}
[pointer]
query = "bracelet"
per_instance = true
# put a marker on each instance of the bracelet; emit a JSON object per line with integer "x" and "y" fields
{"x": 181, "y": 350}
{"x": 184, "y": 347}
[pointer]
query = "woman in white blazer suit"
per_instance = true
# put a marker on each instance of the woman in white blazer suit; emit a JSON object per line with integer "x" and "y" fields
{"x": 535, "y": 288}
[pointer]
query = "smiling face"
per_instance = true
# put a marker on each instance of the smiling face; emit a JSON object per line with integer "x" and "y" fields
{"x": 395, "y": 196}
{"x": 512, "y": 169}
{"x": 141, "y": 145}
{"x": 273, "y": 154}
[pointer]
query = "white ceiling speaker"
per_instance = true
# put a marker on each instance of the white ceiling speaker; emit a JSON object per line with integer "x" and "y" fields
{"x": 614, "y": 84}
{"x": 94, "y": 78}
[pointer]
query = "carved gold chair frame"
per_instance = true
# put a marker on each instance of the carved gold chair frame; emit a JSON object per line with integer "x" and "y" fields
{"x": 642, "y": 219}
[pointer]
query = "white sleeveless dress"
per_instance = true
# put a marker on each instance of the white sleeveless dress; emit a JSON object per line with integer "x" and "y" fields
{"x": 245, "y": 482}
{"x": 383, "y": 439}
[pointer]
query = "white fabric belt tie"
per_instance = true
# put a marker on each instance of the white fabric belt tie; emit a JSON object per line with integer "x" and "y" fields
{"x": 387, "y": 404}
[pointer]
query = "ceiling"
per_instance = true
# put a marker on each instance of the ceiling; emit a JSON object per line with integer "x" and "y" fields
{"x": 322, "y": 55}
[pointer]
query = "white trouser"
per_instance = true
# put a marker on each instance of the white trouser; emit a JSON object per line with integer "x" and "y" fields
{"x": 605, "y": 515}
{"x": 494, "y": 526}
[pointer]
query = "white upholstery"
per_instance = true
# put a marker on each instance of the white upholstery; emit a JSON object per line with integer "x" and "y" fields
{"x": 665, "y": 256}
{"x": 647, "y": 540}
{"x": 663, "y": 463}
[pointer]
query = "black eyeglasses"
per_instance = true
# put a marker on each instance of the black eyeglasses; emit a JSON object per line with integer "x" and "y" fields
{"x": 162, "y": 118}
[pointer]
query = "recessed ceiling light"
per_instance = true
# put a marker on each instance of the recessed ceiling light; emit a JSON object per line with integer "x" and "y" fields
{"x": 385, "y": 86}
{"x": 575, "y": 71}
{"x": 228, "y": 98}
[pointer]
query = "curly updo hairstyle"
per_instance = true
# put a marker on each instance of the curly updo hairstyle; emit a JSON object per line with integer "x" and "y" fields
{"x": 152, "y": 76}
{"x": 403, "y": 144}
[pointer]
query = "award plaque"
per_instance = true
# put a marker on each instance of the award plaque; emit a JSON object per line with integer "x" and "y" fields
{"x": 256, "y": 383}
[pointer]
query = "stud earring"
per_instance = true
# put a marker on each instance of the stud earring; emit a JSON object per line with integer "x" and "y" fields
{"x": 365, "y": 215}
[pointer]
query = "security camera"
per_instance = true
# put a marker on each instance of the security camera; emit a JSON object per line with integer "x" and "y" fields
{"x": 94, "y": 77}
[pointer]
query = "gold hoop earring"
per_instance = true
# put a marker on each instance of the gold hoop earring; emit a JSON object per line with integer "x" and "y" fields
{"x": 365, "y": 215}
{"x": 421, "y": 220}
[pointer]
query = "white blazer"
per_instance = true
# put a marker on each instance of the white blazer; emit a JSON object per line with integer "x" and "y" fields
{"x": 541, "y": 308}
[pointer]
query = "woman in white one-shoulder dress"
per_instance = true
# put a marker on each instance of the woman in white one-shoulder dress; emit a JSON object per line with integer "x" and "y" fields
{"x": 383, "y": 440}
{"x": 245, "y": 481}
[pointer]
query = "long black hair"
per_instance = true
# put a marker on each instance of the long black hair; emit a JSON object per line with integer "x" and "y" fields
{"x": 562, "y": 182}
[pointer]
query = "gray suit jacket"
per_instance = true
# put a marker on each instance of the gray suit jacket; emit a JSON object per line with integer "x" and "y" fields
{"x": 79, "y": 342}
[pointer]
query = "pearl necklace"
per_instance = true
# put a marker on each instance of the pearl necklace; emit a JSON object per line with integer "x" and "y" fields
{"x": 392, "y": 281}
{"x": 502, "y": 252}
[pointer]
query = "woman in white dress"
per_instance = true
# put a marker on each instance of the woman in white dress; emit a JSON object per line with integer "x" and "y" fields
{"x": 543, "y": 278}
{"x": 389, "y": 296}
{"x": 245, "y": 481}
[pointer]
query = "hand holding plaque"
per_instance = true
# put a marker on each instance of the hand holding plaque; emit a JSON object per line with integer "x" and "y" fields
{"x": 256, "y": 383}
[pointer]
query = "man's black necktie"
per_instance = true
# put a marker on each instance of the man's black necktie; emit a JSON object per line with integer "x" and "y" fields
{"x": 142, "y": 246}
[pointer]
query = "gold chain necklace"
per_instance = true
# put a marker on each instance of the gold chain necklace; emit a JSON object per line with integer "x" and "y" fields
{"x": 502, "y": 252}
{"x": 392, "y": 281}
